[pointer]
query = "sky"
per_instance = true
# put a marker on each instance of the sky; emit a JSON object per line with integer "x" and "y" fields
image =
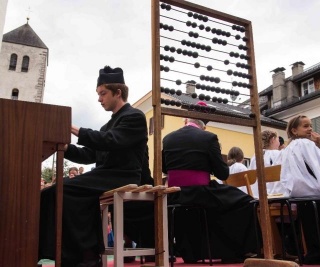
{"x": 85, "y": 35}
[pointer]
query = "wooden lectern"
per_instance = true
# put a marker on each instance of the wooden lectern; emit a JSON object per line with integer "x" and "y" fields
{"x": 29, "y": 133}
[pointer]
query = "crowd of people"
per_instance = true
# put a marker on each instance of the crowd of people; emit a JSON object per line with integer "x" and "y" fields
{"x": 72, "y": 172}
{"x": 190, "y": 156}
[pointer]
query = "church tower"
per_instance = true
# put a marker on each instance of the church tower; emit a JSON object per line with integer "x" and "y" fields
{"x": 23, "y": 65}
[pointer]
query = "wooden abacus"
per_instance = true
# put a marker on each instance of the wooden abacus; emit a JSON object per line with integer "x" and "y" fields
{"x": 215, "y": 52}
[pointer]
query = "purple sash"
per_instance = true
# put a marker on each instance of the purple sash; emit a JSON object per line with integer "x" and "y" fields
{"x": 188, "y": 177}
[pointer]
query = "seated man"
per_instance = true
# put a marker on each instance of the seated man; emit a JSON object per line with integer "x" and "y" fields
{"x": 190, "y": 155}
{"x": 118, "y": 150}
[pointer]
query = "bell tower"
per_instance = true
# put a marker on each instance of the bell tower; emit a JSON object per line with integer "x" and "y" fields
{"x": 23, "y": 65}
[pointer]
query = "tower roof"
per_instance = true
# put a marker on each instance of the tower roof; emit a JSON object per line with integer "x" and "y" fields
{"x": 24, "y": 35}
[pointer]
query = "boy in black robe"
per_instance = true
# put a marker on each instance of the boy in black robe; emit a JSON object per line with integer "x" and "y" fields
{"x": 118, "y": 150}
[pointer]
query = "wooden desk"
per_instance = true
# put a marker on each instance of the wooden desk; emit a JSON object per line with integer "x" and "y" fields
{"x": 29, "y": 133}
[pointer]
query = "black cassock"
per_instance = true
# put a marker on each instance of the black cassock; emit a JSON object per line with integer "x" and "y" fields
{"x": 229, "y": 211}
{"x": 229, "y": 218}
{"x": 118, "y": 150}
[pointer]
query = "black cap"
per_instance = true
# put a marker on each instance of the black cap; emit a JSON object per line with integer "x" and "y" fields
{"x": 108, "y": 75}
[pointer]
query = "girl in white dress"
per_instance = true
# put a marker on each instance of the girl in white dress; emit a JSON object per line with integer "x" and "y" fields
{"x": 235, "y": 159}
{"x": 300, "y": 175}
{"x": 271, "y": 156}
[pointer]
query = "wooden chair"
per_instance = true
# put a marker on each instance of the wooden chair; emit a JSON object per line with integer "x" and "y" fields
{"x": 204, "y": 227}
{"x": 246, "y": 178}
{"x": 272, "y": 174}
{"x": 117, "y": 197}
{"x": 279, "y": 206}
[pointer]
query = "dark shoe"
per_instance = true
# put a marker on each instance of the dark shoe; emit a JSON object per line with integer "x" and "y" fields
{"x": 129, "y": 259}
{"x": 91, "y": 263}
{"x": 312, "y": 259}
{"x": 153, "y": 259}
{"x": 190, "y": 261}
{"x": 172, "y": 259}
{"x": 232, "y": 260}
{"x": 149, "y": 258}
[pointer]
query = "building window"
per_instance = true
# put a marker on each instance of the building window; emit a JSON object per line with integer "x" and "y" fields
{"x": 13, "y": 62}
{"x": 151, "y": 124}
{"x": 25, "y": 64}
{"x": 307, "y": 87}
{"x": 316, "y": 124}
{"x": 15, "y": 94}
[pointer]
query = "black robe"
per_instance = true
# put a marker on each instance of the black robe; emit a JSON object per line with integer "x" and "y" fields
{"x": 229, "y": 211}
{"x": 118, "y": 150}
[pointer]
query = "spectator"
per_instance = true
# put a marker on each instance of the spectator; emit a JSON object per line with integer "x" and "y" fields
{"x": 73, "y": 172}
{"x": 81, "y": 170}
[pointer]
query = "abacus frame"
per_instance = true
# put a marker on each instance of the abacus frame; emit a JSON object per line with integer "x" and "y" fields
{"x": 251, "y": 121}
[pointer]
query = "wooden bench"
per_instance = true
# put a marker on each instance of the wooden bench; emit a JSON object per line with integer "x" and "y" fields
{"x": 117, "y": 197}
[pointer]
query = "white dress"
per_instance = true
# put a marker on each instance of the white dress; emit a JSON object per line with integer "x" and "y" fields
{"x": 238, "y": 167}
{"x": 295, "y": 176}
{"x": 270, "y": 157}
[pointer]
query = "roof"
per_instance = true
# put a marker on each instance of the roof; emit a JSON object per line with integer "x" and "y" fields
{"x": 293, "y": 103}
{"x": 230, "y": 110}
{"x": 24, "y": 35}
{"x": 309, "y": 72}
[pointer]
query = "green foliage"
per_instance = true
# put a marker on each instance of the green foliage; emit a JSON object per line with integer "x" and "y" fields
{"x": 48, "y": 173}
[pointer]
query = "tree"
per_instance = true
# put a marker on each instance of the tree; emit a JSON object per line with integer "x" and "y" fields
{"x": 48, "y": 173}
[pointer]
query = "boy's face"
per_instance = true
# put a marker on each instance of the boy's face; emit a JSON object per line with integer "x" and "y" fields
{"x": 107, "y": 99}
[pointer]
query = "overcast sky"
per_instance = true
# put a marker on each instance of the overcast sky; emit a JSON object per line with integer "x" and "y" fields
{"x": 85, "y": 35}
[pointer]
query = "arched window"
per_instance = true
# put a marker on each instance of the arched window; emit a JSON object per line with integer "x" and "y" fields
{"x": 15, "y": 94}
{"x": 25, "y": 64}
{"x": 13, "y": 62}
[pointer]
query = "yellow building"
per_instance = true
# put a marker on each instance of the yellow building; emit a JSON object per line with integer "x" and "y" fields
{"x": 229, "y": 135}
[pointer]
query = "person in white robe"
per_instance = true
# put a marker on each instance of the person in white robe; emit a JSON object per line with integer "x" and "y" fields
{"x": 300, "y": 172}
{"x": 271, "y": 156}
{"x": 235, "y": 162}
{"x": 300, "y": 176}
